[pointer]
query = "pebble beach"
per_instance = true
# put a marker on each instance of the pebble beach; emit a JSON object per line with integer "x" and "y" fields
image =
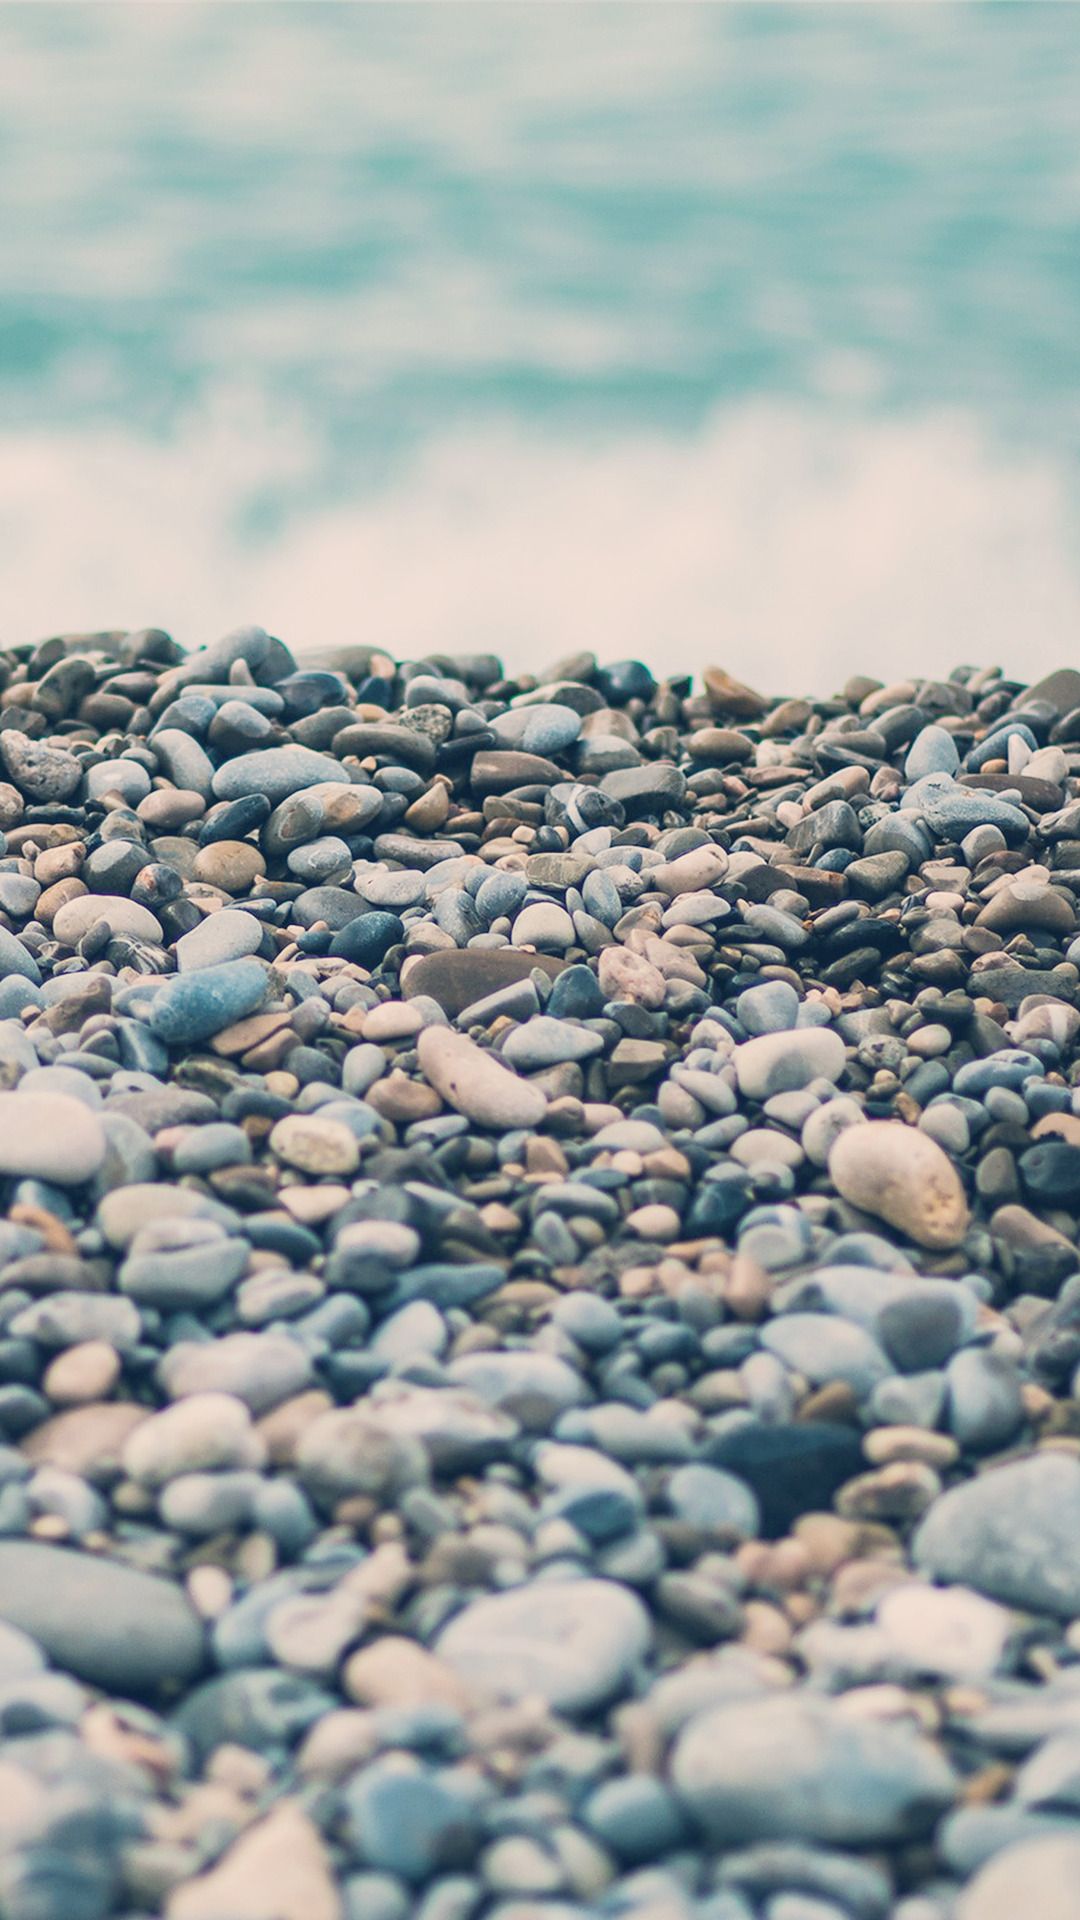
{"x": 539, "y": 1290}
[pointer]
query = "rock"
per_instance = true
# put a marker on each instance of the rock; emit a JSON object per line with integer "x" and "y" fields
{"x": 575, "y": 1643}
{"x": 278, "y": 1869}
{"x": 395, "y": 1672}
{"x": 794, "y": 1767}
{"x": 953, "y": 1632}
{"x": 902, "y": 1176}
{"x": 276, "y": 772}
{"x": 457, "y": 979}
{"x": 75, "y": 920}
{"x": 476, "y": 1084}
{"x": 409, "y": 1822}
{"x": 219, "y": 938}
{"x": 194, "y": 1006}
{"x": 352, "y": 1451}
{"x": 107, "y": 1623}
{"x": 205, "y": 1431}
{"x": 42, "y": 772}
{"x": 791, "y": 1469}
{"x": 783, "y": 1062}
{"x": 314, "y": 1145}
{"x": 50, "y": 1136}
{"x": 1038, "y": 1876}
{"x": 1013, "y": 1534}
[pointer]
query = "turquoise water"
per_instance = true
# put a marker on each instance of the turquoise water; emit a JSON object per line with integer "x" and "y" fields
{"x": 705, "y": 332}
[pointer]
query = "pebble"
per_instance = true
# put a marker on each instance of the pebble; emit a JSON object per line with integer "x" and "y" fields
{"x": 50, "y": 1136}
{"x": 107, "y": 1623}
{"x": 901, "y": 1176}
{"x": 576, "y": 1644}
{"x": 799, "y": 1768}
{"x": 315, "y": 1145}
{"x": 217, "y": 939}
{"x": 1011, "y": 1534}
{"x": 476, "y": 1084}
{"x": 777, "y": 1063}
{"x": 196, "y": 1005}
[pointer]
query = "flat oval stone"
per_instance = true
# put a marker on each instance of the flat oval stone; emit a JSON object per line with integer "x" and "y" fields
{"x": 476, "y": 1084}
{"x": 784, "y": 1062}
{"x": 900, "y": 1175}
{"x": 277, "y": 772}
{"x": 76, "y": 918}
{"x": 575, "y": 1643}
{"x": 314, "y": 1145}
{"x": 110, "y": 1624}
{"x": 1013, "y": 1534}
{"x": 799, "y": 1768}
{"x": 206, "y": 1431}
{"x": 222, "y": 936}
{"x": 194, "y": 1006}
{"x": 50, "y": 1136}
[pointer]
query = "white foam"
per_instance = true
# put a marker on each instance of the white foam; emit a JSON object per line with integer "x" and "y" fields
{"x": 792, "y": 545}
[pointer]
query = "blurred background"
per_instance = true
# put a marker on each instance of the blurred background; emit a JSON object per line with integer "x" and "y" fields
{"x": 739, "y": 334}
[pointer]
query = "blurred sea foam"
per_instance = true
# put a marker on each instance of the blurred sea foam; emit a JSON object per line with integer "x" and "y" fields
{"x": 694, "y": 332}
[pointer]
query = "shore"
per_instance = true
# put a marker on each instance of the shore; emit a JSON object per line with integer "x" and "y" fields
{"x": 540, "y": 1293}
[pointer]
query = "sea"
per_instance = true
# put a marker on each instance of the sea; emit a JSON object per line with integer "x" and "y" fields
{"x": 743, "y": 334}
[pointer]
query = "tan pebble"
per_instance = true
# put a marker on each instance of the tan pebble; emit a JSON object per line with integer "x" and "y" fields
{"x": 627, "y": 976}
{"x": 50, "y": 902}
{"x": 402, "y": 1100}
{"x": 901, "y": 1176}
{"x": 210, "y": 1590}
{"x": 338, "y": 1743}
{"x": 396, "y": 1672}
{"x": 87, "y": 1440}
{"x": 286, "y": 1085}
{"x": 312, "y": 1205}
{"x": 834, "y": 1401}
{"x": 83, "y": 1373}
{"x": 827, "y": 1540}
{"x": 859, "y": 1584}
{"x": 636, "y": 1283}
{"x": 59, "y": 863}
{"x": 315, "y": 1146}
{"x": 884, "y": 1444}
{"x": 169, "y": 807}
{"x": 58, "y": 1237}
{"x": 900, "y": 1491}
{"x": 229, "y": 864}
{"x": 654, "y": 1222}
{"x": 1058, "y": 1126}
{"x": 543, "y": 1155}
{"x": 765, "y": 1628}
{"x": 747, "y": 1289}
{"x": 239, "y": 1768}
{"x": 281, "y": 1428}
{"x": 500, "y": 1219}
{"x": 245, "y": 1034}
{"x": 429, "y": 811}
{"x": 640, "y": 1736}
{"x": 256, "y": 1558}
{"x": 49, "y": 1526}
{"x": 279, "y": 1867}
{"x": 392, "y": 1020}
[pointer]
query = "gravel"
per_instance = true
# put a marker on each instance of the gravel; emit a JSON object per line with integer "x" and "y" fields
{"x": 539, "y": 1290}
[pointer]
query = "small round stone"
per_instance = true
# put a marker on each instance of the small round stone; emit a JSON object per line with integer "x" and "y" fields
{"x": 315, "y": 1146}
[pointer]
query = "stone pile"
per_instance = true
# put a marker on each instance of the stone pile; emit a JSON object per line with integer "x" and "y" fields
{"x": 539, "y": 1291}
